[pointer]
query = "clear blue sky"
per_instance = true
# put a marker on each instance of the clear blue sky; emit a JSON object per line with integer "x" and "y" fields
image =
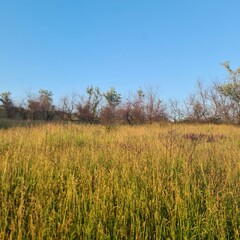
{"x": 66, "y": 45}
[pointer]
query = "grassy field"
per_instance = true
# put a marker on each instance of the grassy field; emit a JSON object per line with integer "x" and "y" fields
{"x": 127, "y": 182}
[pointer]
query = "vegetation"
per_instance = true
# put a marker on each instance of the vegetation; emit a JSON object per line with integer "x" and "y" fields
{"x": 122, "y": 178}
{"x": 127, "y": 182}
{"x": 216, "y": 104}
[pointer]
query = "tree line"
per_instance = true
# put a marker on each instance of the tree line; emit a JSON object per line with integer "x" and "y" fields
{"x": 219, "y": 103}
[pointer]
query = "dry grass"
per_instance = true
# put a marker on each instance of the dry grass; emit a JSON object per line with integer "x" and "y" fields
{"x": 128, "y": 182}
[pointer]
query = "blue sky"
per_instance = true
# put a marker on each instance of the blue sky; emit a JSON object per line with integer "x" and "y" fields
{"x": 64, "y": 46}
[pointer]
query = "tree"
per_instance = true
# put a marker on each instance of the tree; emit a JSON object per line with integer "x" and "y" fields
{"x": 132, "y": 110}
{"x": 88, "y": 108}
{"x": 220, "y": 105}
{"x": 231, "y": 90}
{"x": 138, "y": 107}
{"x": 176, "y": 113}
{"x": 67, "y": 107}
{"x": 199, "y": 106}
{"x": 94, "y": 99}
{"x": 41, "y": 107}
{"x": 155, "y": 109}
{"x": 8, "y": 105}
{"x": 113, "y": 99}
{"x": 46, "y": 102}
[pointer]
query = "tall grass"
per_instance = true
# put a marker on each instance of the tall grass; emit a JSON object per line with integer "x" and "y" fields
{"x": 128, "y": 182}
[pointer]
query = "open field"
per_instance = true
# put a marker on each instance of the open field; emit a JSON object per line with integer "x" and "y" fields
{"x": 127, "y": 182}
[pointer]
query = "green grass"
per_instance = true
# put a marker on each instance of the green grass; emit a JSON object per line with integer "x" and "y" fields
{"x": 139, "y": 182}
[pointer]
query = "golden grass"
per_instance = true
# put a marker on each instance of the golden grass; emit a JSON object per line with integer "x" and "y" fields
{"x": 126, "y": 182}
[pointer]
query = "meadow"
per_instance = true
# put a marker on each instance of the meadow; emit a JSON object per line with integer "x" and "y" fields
{"x": 159, "y": 181}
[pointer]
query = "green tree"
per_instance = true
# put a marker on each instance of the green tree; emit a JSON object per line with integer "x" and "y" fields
{"x": 112, "y": 97}
{"x": 231, "y": 90}
{"x": 5, "y": 97}
{"x": 46, "y": 103}
{"x": 41, "y": 107}
{"x": 94, "y": 99}
{"x": 45, "y": 98}
{"x": 108, "y": 114}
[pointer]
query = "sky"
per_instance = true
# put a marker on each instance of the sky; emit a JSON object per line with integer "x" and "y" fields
{"x": 64, "y": 46}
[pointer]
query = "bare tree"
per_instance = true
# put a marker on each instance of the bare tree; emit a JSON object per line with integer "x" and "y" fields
{"x": 135, "y": 107}
{"x": 67, "y": 107}
{"x": 176, "y": 113}
{"x": 199, "y": 105}
{"x": 155, "y": 109}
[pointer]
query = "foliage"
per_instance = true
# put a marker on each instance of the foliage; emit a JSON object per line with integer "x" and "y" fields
{"x": 112, "y": 97}
{"x": 5, "y": 97}
{"x": 41, "y": 107}
{"x": 7, "y": 103}
{"x": 87, "y": 109}
{"x": 218, "y": 103}
{"x": 94, "y": 98}
{"x": 232, "y": 89}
